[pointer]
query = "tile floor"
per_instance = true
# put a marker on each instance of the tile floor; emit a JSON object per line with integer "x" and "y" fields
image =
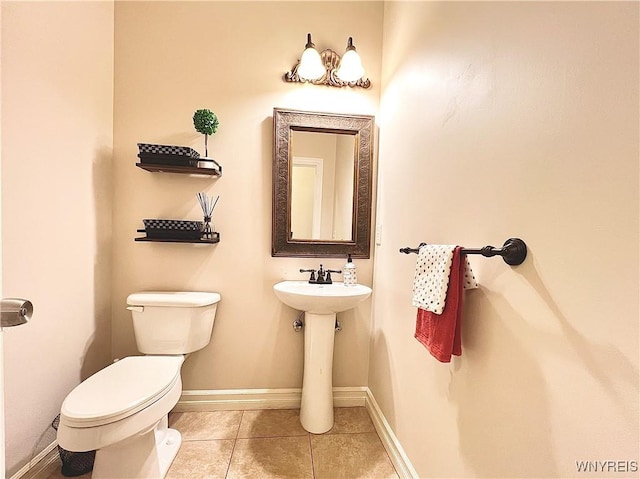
{"x": 271, "y": 443}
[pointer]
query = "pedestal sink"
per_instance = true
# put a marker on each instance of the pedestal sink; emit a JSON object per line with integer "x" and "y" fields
{"x": 320, "y": 303}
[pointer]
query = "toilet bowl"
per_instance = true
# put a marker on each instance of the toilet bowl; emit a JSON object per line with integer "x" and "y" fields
{"x": 122, "y": 410}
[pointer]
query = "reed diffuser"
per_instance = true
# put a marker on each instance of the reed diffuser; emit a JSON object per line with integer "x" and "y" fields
{"x": 207, "y": 203}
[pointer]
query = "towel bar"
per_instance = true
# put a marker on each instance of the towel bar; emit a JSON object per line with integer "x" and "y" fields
{"x": 513, "y": 252}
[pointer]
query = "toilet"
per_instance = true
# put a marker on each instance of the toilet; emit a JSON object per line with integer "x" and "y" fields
{"x": 121, "y": 412}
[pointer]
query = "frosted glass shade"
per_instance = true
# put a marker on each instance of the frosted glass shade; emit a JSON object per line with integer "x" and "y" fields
{"x": 350, "y": 67}
{"x": 311, "y": 67}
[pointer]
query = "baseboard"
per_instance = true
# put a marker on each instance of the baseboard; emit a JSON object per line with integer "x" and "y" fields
{"x": 245, "y": 399}
{"x": 42, "y": 462}
{"x": 398, "y": 457}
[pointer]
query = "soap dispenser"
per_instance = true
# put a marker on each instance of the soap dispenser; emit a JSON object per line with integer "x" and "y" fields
{"x": 349, "y": 274}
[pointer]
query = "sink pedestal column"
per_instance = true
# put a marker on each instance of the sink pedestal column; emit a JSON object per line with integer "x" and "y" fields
{"x": 316, "y": 408}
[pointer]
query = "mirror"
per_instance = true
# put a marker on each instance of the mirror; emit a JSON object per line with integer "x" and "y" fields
{"x": 321, "y": 184}
{"x": 322, "y": 171}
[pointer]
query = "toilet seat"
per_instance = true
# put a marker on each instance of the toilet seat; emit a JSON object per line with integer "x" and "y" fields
{"x": 120, "y": 390}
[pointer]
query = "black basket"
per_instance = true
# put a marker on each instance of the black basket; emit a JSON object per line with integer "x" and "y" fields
{"x": 167, "y": 155}
{"x": 147, "y": 149}
{"x": 173, "y": 229}
{"x": 74, "y": 463}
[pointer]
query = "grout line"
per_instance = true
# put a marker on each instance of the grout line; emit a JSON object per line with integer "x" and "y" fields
{"x": 313, "y": 466}
{"x": 274, "y": 437}
{"x": 233, "y": 448}
{"x": 351, "y": 434}
{"x": 239, "y": 424}
{"x": 209, "y": 439}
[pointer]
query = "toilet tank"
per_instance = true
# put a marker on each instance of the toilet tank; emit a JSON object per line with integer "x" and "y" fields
{"x": 172, "y": 322}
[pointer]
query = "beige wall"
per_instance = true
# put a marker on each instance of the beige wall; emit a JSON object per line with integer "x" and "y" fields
{"x": 57, "y": 104}
{"x": 172, "y": 58}
{"x": 499, "y": 120}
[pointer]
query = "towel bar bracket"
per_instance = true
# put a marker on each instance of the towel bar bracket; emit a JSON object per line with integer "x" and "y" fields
{"x": 515, "y": 251}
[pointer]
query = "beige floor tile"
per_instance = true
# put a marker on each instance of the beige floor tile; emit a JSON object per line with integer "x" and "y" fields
{"x": 271, "y": 423}
{"x": 351, "y": 420}
{"x": 202, "y": 460}
{"x": 350, "y": 456}
{"x": 202, "y": 426}
{"x": 266, "y": 458}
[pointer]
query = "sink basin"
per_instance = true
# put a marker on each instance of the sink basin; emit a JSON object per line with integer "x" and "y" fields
{"x": 320, "y": 298}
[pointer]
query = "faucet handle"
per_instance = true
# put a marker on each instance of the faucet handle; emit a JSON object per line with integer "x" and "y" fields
{"x": 328, "y": 279}
{"x": 312, "y": 279}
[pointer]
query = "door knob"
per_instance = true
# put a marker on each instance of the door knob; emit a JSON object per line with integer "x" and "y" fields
{"x": 14, "y": 312}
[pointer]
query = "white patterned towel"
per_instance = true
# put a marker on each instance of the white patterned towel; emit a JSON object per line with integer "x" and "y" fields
{"x": 433, "y": 268}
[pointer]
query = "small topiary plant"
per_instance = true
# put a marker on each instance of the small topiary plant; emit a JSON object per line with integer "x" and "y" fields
{"x": 206, "y": 122}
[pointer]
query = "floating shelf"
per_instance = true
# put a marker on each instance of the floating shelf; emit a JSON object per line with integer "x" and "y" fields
{"x": 215, "y": 239}
{"x": 190, "y": 170}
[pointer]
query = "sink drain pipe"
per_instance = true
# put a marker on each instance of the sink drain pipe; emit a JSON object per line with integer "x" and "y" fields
{"x": 298, "y": 324}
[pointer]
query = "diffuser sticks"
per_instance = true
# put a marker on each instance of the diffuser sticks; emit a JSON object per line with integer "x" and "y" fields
{"x": 207, "y": 203}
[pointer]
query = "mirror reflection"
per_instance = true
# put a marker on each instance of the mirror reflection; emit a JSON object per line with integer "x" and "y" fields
{"x": 322, "y": 185}
{"x": 322, "y": 177}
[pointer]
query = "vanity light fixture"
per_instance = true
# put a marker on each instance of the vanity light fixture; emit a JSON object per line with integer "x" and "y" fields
{"x": 328, "y": 68}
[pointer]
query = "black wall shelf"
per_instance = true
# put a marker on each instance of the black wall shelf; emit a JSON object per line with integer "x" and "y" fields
{"x": 190, "y": 170}
{"x": 215, "y": 239}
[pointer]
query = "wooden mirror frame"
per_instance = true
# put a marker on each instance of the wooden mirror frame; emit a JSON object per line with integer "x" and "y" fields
{"x": 286, "y": 121}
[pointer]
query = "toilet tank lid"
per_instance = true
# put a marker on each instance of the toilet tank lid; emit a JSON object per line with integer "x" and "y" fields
{"x": 179, "y": 299}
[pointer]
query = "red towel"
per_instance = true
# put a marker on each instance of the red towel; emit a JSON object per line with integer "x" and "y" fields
{"x": 440, "y": 333}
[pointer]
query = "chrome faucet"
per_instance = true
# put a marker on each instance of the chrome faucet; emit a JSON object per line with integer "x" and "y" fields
{"x": 323, "y": 275}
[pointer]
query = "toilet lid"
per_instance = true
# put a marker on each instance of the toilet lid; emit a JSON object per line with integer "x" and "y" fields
{"x": 120, "y": 390}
